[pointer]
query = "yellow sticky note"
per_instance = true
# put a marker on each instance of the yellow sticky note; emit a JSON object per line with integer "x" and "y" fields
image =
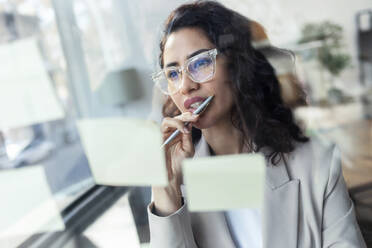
{"x": 224, "y": 182}
{"x": 124, "y": 151}
{"x": 28, "y": 206}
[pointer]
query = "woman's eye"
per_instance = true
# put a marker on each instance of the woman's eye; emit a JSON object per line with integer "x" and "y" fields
{"x": 201, "y": 63}
{"x": 172, "y": 75}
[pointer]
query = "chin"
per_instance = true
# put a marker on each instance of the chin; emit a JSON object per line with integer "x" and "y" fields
{"x": 204, "y": 122}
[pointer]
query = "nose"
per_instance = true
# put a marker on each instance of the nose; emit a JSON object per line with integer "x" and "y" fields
{"x": 187, "y": 84}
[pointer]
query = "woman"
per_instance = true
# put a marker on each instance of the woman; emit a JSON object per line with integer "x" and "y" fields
{"x": 206, "y": 50}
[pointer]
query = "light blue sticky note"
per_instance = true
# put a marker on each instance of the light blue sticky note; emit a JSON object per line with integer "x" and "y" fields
{"x": 124, "y": 151}
{"x": 224, "y": 182}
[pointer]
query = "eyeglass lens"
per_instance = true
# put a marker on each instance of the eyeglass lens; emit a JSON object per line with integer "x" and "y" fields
{"x": 199, "y": 70}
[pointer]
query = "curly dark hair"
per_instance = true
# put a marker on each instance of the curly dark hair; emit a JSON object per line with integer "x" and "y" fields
{"x": 259, "y": 112}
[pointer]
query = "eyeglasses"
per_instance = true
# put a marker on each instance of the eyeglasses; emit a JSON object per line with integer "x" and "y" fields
{"x": 199, "y": 68}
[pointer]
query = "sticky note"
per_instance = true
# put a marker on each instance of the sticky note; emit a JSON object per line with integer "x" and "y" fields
{"x": 28, "y": 206}
{"x": 224, "y": 182}
{"x": 124, "y": 151}
{"x": 26, "y": 93}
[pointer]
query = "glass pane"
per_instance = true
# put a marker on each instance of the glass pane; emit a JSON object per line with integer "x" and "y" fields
{"x": 103, "y": 38}
{"x": 62, "y": 60}
{"x": 38, "y": 128}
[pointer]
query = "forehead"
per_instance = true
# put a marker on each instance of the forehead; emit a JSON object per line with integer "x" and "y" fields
{"x": 183, "y": 42}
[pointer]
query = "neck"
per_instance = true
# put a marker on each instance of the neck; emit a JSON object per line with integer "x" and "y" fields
{"x": 224, "y": 138}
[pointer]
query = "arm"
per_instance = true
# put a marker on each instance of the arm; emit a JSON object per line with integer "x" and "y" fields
{"x": 339, "y": 227}
{"x": 172, "y": 231}
{"x": 169, "y": 219}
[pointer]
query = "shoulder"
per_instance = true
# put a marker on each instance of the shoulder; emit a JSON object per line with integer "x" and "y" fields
{"x": 316, "y": 162}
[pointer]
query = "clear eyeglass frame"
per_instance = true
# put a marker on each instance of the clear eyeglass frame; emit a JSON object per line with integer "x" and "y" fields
{"x": 161, "y": 75}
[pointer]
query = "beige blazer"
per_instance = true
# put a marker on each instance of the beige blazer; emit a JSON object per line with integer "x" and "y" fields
{"x": 306, "y": 204}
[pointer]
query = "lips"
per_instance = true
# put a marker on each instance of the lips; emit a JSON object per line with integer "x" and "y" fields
{"x": 187, "y": 104}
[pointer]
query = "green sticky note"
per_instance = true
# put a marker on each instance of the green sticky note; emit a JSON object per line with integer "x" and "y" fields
{"x": 224, "y": 182}
{"x": 124, "y": 151}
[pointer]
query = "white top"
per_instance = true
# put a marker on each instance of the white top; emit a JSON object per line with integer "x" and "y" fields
{"x": 245, "y": 227}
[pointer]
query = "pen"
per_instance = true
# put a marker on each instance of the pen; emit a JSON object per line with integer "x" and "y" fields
{"x": 201, "y": 108}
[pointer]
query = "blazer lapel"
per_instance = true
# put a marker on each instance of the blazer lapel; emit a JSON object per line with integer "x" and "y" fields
{"x": 280, "y": 218}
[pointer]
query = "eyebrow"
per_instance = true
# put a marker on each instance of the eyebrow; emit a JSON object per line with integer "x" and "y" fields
{"x": 188, "y": 56}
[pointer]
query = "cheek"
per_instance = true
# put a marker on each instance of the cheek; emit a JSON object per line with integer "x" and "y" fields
{"x": 177, "y": 99}
{"x": 224, "y": 102}
{"x": 218, "y": 110}
{"x": 224, "y": 91}
{"x": 229, "y": 96}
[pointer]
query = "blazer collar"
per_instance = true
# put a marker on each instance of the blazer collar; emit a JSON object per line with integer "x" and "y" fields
{"x": 276, "y": 175}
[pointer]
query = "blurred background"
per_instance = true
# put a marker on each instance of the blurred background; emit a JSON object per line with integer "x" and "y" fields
{"x": 84, "y": 58}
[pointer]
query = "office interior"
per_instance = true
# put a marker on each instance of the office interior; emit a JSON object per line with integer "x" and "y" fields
{"x": 97, "y": 58}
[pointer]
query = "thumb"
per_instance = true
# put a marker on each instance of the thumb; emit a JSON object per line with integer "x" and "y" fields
{"x": 187, "y": 145}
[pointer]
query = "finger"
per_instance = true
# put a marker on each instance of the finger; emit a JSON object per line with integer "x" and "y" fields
{"x": 187, "y": 117}
{"x": 169, "y": 124}
{"x": 169, "y": 165}
{"x": 174, "y": 141}
{"x": 187, "y": 145}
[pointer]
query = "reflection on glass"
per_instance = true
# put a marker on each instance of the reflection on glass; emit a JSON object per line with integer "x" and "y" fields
{"x": 101, "y": 28}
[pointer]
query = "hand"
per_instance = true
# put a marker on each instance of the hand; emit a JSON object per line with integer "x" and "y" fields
{"x": 168, "y": 199}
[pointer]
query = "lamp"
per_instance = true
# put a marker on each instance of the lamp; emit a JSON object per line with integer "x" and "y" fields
{"x": 119, "y": 87}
